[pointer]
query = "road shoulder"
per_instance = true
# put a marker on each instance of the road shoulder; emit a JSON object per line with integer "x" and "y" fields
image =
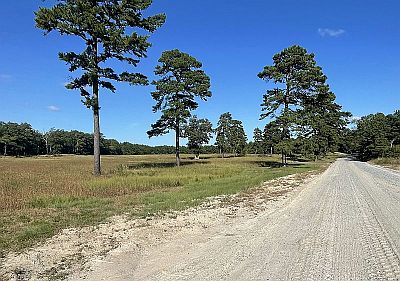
{"x": 90, "y": 252}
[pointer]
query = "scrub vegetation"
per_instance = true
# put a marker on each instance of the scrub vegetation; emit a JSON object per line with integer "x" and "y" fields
{"x": 40, "y": 196}
{"x": 393, "y": 163}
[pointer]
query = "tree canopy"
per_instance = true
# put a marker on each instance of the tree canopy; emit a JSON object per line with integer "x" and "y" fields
{"x": 222, "y": 132}
{"x": 199, "y": 133}
{"x": 321, "y": 122}
{"x": 258, "y": 141}
{"x": 376, "y": 135}
{"x": 237, "y": 138}
{"x": 19, "y": 139}
{"x": 231, "y": 136}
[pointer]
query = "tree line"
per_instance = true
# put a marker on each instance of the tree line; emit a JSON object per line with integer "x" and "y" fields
{"x": 374, "y": 135}
{"x": 22, "y": 140}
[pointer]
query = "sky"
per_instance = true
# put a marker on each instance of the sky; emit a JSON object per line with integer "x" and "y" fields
{"x": 357, "y": 43}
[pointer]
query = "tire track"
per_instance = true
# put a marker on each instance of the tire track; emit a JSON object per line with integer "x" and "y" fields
{"x": 382, "y": 254}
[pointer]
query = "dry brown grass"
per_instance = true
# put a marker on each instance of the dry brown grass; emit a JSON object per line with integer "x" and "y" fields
{"x": 39, "y": 196}
{"x": 24, "y": 179}
{"x": 393, "y": 163}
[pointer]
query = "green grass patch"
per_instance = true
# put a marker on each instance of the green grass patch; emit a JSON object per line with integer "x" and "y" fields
{"x": 196, "y": 192}
{"x": 60, "y": 202}
{"x": 41, "y": 197}
{"x": 34, "y": 231}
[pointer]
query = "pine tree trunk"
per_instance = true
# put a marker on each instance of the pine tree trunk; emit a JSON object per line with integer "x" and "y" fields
{"x": 96, "y": 118}
{"x": 5, "y": 149}
{"x": 96, "y": 143}
{"x": 285, "y": 126}
{"x": 198, "y": 154}
{"x": 177, "y": 134}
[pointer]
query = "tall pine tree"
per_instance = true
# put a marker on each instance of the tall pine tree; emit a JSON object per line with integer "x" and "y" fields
{"x": 222, "y": 132}
{"x": 259, "y": 143}
{"x": 110, "y": 30}
{"x": 181, "y": 82}
{"x": 295, "y": 75}
{"x": 237, "y": 138}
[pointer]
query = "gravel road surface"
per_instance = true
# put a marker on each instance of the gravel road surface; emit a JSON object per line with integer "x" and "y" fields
{"x": 345, "y": 225}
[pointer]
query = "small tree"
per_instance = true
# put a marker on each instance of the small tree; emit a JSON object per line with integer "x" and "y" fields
{"x": 199, "y": 133}
{"x": 237, "y": 137}
{"x": 258, "y": 141}
{"x": 181, "y": 82}
{"x": 272, "y": 135}
{"x": 222, "y": 132}
{"x": 105, "y": 28}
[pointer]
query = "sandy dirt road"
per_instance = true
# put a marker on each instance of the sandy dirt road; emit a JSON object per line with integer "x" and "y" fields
{"x": 345, "y": 225}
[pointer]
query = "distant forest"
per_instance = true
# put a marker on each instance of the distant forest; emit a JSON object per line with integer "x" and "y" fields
{"x": 23, "y": 140}
{"x": 376, "y": 135}
{"x": 372, "y": 136}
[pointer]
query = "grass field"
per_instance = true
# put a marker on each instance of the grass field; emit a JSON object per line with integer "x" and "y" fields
{"x": 40, "y": 196}
{"x": 393, "y": 163}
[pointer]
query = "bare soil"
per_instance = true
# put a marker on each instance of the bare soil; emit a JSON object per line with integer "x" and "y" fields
{"x": 78, "y": 252}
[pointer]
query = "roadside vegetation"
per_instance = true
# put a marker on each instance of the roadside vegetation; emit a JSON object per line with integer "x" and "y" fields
{"x": 393, "y": 163}
{"x": 375, "y": 137}
{"x": 42, "y": 195}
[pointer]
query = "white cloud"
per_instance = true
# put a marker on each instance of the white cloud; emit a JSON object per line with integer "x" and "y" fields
{"x": 331, "y": 32}
{"x": 53, "y": 108}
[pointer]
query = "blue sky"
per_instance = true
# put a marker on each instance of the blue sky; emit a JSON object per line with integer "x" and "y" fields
{"x": 356, "y": 42}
